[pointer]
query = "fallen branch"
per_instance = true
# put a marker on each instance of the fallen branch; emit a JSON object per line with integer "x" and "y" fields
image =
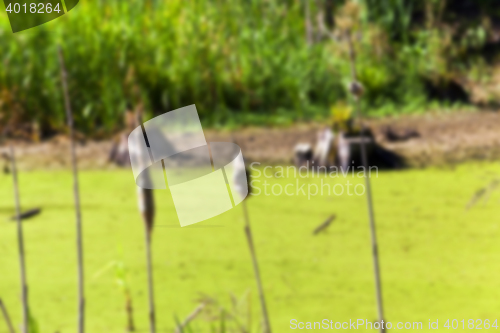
{"x": 27, "y": 214}
{"x": 482, "y": 193}
{"x": 190, "y": 318}
{"x": 324, "y": 225}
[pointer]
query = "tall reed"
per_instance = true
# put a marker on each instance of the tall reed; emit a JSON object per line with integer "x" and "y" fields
{"x": 147, "y": 209}
{"x": 20, "y": 242}
{"x": 6, "y": 316}
{"x": 356, "y": 90}
{"x": 262, "y": 299}
{"x": 242, "y": 60}
{"x": 240, "y": 182}
{"x": 347, "y": 24}
{"x": 76, "y": 194}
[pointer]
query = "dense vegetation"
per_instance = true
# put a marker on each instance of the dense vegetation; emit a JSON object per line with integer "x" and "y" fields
{"x": 249, "y": 61}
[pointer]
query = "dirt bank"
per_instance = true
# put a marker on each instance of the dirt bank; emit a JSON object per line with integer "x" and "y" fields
{"x": 443, "y": 139}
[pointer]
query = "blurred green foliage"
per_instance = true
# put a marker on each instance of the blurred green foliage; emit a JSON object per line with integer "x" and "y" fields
{"x": 238, "y": 61}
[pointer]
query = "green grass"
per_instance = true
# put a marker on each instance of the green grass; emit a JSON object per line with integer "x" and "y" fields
{"x": 240, "y": 62}
{"x": 437, "y": 260}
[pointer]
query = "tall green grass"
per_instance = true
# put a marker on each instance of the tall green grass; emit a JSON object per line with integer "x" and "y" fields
{"x": 238, "y": 61}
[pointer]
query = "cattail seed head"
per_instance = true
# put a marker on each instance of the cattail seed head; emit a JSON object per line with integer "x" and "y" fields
{"x": 145, "y": 201}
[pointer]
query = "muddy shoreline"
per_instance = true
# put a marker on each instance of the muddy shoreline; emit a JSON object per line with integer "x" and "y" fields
{"x": 444, "y": 139}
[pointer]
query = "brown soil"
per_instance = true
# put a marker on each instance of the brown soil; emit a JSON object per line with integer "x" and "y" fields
{"x": 444, "y": 139}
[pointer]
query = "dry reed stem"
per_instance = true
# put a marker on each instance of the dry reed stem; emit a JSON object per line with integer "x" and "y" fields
{"x": 147, "y": 210}
{"x": 130, "y": 313}
{"x": 7, "y": 317}
{"x": 20, "y": 242}
{"x": 369, "y": 201}
{"x": 76, "y": 194}
{"x": 248, "y": 232}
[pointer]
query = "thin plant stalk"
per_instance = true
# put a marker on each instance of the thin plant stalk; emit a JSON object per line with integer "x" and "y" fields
{"x": 146, "y": 207}
{"x": 130, "y": 312}
{"x": 76, "y": 194}
{"x": 356, "y": 90}
{"x": 248, "y": 232}
{"x": 152, "y": 312}
{"x": 145, "y": 200}
{"x": 20, "y": 242}
{"x": 7, "y": 317}
{"x": 308, "y": 24}
{"x": 190, "y": 318}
